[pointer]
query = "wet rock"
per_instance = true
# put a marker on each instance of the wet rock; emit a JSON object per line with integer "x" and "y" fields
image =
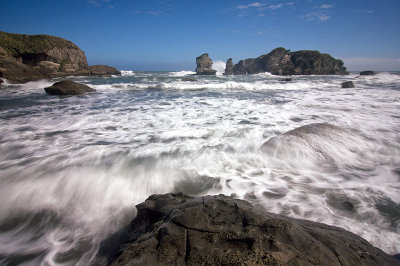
{"x": 367, "y": 73}
{"x": 286, "y": 79}
{"x": 348, "y": 84}
{"x": 103, "y": 70}
{"x": 68, "y": 87}
{"x": 175, "y": 229}
{"x": 204, "y": 65}
{"x": 189, "y": 79}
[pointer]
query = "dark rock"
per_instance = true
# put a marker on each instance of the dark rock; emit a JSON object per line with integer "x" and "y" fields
{"x": 286, "y": 79}
{"x": 175, "y": 229}
{"x": 397, "y": 257}
{"x": 17, "y": 72}
{"x": 189, "y": 79}
{"x": 204, "y": 65}
{"x": 68, "y": 87}
{"x": 348, "y": 84}
{"x": 281, "y": 61}
{"x": 229, "y": 67}
{"x": 367, "y": 73}
{"x": 103, "y": 70}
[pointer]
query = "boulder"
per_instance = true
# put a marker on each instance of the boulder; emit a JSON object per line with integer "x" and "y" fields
{"x": 68, "y": 87}
{"x": 367, "y": 73}
{"x": 103, "y": 70}
{"x": 189, "y": 79}
{"x": 175, "y": 229}
{"x": 348, "y": 84}
{"x": 204, "y": 65}
{"x": 281, "y": 61}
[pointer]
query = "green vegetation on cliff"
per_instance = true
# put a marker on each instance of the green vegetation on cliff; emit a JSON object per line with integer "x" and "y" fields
{"x": 17, "y": 44}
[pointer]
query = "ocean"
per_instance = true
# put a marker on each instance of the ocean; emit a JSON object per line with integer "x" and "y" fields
{"x": 73, "y": 168}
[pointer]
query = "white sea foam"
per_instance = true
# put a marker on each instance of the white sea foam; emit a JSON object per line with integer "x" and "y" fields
{"x": 219, "y": 66}
{"x": 127, "y": 73}
{"x": 182, "y": 73}
{"x": 72, "y": 168}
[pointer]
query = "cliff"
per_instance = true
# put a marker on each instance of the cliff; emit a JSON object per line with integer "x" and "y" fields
{"x": 30, "y": 57}
{"x": 281, "y": 61}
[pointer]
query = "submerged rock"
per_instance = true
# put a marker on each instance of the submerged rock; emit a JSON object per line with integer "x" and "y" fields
{"x": 189, "y": 79}
{"x": 367, "y": 73}
{"x": 175, "y": 229}
{"x": 103, "y": 70}
{"x": 204, "y": 65}
{"x": 281, "y": 61}
{"x": 348, "y": 84}
{"x": 68, "y": 87}
{"x": 320, "y": 142}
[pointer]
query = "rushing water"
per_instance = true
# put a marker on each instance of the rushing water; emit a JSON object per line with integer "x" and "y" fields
{"x": 72, "y": 168}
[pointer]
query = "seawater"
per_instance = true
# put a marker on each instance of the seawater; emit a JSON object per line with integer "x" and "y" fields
{"x": 73, "y": 168}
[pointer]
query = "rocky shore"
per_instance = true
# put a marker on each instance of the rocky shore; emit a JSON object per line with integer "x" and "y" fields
{"x": 175, "y": 229}
{"x": 26, "y": 58}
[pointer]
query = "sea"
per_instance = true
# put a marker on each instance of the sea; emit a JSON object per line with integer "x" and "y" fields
{"x": 72, "y": 168}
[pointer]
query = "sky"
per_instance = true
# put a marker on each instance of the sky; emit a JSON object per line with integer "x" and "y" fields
{"x": 170, "y": 34}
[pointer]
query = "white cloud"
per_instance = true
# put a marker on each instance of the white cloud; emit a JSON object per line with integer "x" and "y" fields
{"x": 273, "y": 7}
{"x": 366, "y": 63}
{"x": 315, "y": 16}
{"x": 250, "y": 5}
{"x": 255, "y": 5}
{"x": 326, "y": 6}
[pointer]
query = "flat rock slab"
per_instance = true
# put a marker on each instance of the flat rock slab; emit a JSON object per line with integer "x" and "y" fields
{"x": 68, "y": 87}
{"x": 175, "y": 229}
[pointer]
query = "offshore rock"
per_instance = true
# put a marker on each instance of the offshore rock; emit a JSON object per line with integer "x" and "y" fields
{"x": 175, "y": 229}
{"x": 229, "y": 67}
{"x": 367, "y": 73}
{"x": 204, "y": 65}
{"x": 348, "y": 84}
{"x": 103, "y": 70}
{"x": 68, "y": 87}
{"x": 281, "y": 61}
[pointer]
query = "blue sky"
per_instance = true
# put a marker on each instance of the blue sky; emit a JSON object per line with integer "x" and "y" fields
{"x": 169, "y": 34}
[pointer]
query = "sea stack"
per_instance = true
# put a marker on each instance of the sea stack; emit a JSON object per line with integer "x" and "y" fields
{"x": 281, "y": 61}
{"x": 204, "y": 65}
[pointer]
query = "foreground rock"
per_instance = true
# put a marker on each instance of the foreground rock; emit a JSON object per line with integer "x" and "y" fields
{"x": 103, "y": 70}
{"x": 367, "y": 73}
{"x": 175, "y": 229}
{"x": 68, "y": 87}
{"x": 348, "y": 84}
{"x": 204, "y": 65}
{"x": 281, "y": 61}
